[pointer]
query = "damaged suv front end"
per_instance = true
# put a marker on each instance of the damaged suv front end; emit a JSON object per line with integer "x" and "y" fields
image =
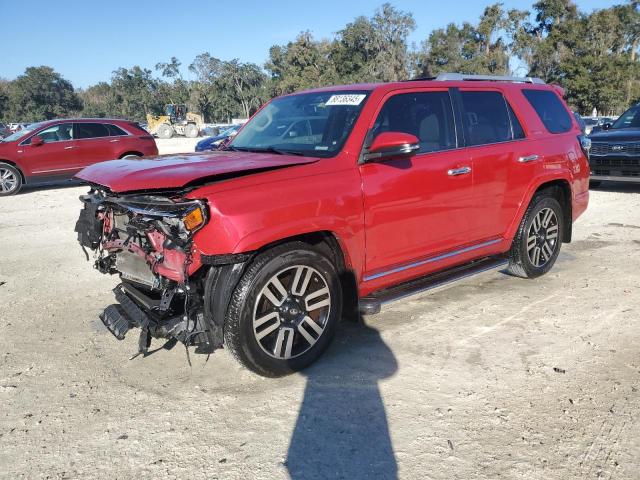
{"x": 147, "y": 239}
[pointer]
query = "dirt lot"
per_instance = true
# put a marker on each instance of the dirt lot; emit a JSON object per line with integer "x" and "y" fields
{"x": 495, "y": 377}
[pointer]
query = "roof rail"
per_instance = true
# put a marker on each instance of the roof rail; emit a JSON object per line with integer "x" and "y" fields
{"x": 491, "y": 78}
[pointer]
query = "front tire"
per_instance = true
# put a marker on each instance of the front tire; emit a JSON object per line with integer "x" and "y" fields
{"x": 10, "y": 180}
{"x": 283, "y": 312}
{"x": 165, "y": 131}
{"x": 537, "y": 243}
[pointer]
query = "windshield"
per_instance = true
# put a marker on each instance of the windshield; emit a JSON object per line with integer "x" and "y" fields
{"x": 314, "y": 124}
{"x": 629, "y": 119}
{"x": 21, "y": 133}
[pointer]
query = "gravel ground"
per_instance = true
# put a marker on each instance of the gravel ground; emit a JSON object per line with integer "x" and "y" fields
{"x": 495, "y": 377}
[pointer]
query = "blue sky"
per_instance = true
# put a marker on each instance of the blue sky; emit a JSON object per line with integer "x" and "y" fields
{"x": 86, "y": 40}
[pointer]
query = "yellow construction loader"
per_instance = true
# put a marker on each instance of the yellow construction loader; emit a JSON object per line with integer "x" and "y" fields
{"x": 175, "y": 121}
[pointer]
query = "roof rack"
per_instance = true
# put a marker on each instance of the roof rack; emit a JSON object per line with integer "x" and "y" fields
{"x": 490, "y": 78}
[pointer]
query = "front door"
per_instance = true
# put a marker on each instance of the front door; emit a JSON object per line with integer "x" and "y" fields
{"x": 55, "y": 156}
{"x": 417, "y": 207}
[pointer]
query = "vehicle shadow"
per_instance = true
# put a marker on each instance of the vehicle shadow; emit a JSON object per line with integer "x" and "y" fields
{"x": 40, "y": 187}
{"x": 617, "y": 187}
{"x": 342, "y": 429}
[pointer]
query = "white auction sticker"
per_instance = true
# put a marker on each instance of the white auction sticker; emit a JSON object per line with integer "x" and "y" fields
{"x": 345, "y": 99}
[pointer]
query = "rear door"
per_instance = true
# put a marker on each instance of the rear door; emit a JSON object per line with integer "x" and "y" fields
{"x": 503, "y": 160}
{"x": 94, "y": 143}
{"x": 416, "y": 207}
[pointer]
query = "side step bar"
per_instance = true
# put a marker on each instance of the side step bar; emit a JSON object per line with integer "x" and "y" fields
{"x": 372, "y": 303}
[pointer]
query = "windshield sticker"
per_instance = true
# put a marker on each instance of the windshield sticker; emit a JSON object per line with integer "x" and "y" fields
{"x": 352, "y": 99}
{"x": 321, "y": 147}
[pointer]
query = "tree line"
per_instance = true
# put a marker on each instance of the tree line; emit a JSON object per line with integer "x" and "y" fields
{"x": 594, "y": 56}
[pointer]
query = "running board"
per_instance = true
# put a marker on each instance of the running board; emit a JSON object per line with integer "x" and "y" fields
{"x": 372, "y": 303}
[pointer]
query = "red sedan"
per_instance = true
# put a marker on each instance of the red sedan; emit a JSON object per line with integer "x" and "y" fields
{"x": 58, "y": 149}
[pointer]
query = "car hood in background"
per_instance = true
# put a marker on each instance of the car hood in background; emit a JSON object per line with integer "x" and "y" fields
{"x": 176, "y": 171}
{"x": 616, "y": 135}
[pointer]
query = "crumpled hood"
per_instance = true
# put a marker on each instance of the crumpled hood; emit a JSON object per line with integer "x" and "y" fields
{"x": 176, "y": 171}
{"x": 616, "y": 135}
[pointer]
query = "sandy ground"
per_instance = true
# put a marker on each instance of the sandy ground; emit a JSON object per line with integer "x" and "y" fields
{"x": 495, "y": 377}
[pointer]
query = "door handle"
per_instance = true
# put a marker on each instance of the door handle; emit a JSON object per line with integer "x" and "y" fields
{"x": 69, "y": 148}
{"x": 454, "y": 172}
{"x": 529, "y": 158}
{"x": 114, "y": 141}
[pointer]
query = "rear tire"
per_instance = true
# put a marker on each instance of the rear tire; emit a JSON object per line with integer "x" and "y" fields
{"x": 537, "y": 243}
{"x": 10, "y": 180}
{"x": 191, "y": 130}
{"x": 283, "y": 312}
{"x": 165, "y": 131}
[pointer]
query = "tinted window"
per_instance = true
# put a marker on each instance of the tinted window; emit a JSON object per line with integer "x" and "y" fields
{"x": 57, "y": 133}
{"x": 91, "y": 130}
{"x": 486, "y": 118}
{"x": 629, "y": 119}
{"x": 428, "y": 116}
{"x": 550, "y": 110}
{"x": 114, "y": 130}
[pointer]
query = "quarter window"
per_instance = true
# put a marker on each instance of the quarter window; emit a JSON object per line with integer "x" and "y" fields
{"x": 114, "y": 130}
{"x": 550, "y": 110}
{"x": 487, "y": 118}
{"x": 91, "y": 130}
{"x": 427, "y": 115}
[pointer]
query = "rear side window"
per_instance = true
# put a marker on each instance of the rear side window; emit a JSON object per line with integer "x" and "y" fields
{"x": 550, "y": 110}
{"x": 487, "y": 118}
{"x": 427, "y": 115}
{"x": 91, "y": 130}
{"x": 115, "y": 131}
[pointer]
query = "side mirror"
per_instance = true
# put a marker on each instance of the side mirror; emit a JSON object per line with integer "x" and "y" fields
{"x": 36, "y": 141}
{"x": 390, "y": 145}
{"x": 607, "y": 126}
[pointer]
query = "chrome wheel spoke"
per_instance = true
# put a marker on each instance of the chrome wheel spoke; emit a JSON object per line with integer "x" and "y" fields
{"x": 320, "y": 300}
{"x": 291, "y": 312}
{"x": 542, "y": 238}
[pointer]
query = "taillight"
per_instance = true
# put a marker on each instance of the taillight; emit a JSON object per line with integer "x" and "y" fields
{"x": 585, "y": 144}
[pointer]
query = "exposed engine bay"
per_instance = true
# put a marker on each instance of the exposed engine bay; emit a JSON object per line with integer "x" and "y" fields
{"x": 147, "y": 239}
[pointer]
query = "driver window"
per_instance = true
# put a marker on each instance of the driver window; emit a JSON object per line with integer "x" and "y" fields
{"x": 57, "y": 133}
{"x": 427, "y": 115}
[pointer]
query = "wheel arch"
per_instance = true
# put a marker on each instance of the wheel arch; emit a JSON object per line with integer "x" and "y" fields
{"x": 17, "y": 167}
{"x": 132, "y": 152}
{"x": 559, "y": 188}
{"x": 335, "y": 249}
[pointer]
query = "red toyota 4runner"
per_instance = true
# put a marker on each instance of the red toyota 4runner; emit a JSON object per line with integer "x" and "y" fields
{"x": 334, "y": 199}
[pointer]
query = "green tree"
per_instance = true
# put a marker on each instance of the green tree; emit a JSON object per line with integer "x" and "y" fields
{"x": 40, "y": 94}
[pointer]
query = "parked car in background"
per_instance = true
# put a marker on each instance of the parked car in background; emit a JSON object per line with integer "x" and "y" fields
{"x": 4, "y": 131}
{"x": 58, "y": 149}
{"x": 212, "y": 143}
{"x": 615, "y": 150}
{"x": 346, "y": 195}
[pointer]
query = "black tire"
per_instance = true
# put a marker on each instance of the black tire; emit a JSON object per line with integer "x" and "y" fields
{"x": 10, "y": 180}
{"x": 522, "y": 260}
{"x": 164, "y": 131}
{"x": 191, "y": 130}
{"x": 249, "y": 302}
{"x": 594, "y": 183}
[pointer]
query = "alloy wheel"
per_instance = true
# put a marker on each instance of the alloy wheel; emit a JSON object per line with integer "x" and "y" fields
{"x": 291, "y": 312}
{"x": 8, "y": 180}
{"x": 542, "y": 237}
